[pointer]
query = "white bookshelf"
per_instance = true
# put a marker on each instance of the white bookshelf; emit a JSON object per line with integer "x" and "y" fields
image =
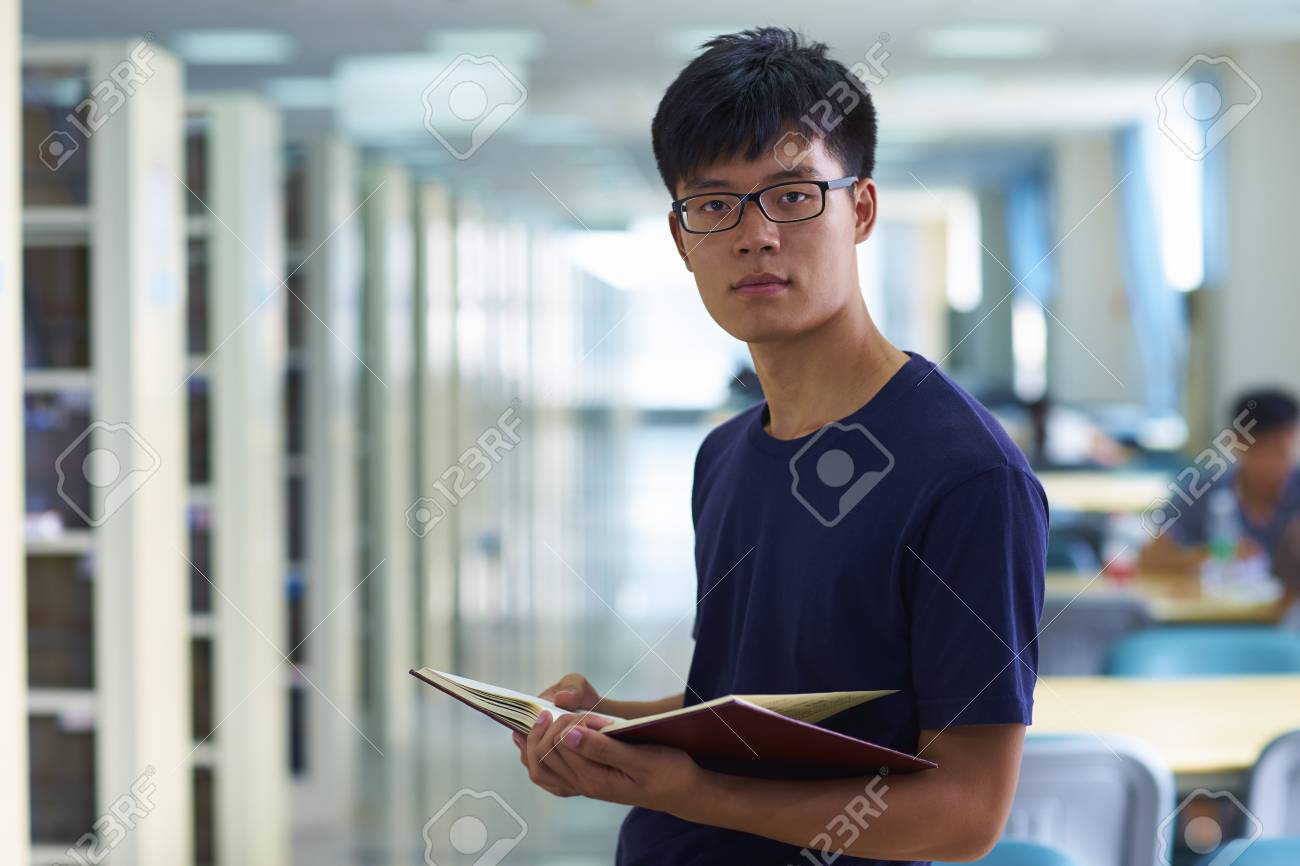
{"x": 236, "y": 361}
{"x": 328, "y": 256}
{"x": 14, "y": 781}
{"x": 103, "y": 353}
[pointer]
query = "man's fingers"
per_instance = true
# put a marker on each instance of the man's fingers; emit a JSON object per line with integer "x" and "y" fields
{"x": 533, "y": 742}
{"x": 597, "y": 722}
{"x": 532, "y": 756}
{"x": 566, "y": 683}
{"x": 595, "y": 746}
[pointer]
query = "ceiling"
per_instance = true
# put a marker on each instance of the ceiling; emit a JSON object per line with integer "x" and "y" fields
{"x": 578, "y": 150}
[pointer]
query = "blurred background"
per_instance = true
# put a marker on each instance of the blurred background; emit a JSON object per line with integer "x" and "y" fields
{"x": 346, "y": 338}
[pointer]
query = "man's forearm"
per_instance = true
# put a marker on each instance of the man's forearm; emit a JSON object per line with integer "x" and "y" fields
{"x": 637, "y": 709}
{"x": 919, "y": 816}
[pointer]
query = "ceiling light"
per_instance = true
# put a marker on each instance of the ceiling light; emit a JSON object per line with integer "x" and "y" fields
{"x": 233, "y": 47}
{"x": 988, "y": 43}
{"x": 505, "y": 44}
{"x": 301, "y": 91}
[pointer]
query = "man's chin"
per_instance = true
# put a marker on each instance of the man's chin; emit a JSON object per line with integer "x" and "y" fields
{"x": 759, "y": 332}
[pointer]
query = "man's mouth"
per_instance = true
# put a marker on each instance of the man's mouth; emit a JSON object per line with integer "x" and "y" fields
{"x": 760, "y": 284}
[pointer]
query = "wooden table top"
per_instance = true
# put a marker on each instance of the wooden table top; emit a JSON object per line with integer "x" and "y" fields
{"x": 1170, "y": 598}
{"x": 1200, "y": 726}
{"x": 1108, "y": 491}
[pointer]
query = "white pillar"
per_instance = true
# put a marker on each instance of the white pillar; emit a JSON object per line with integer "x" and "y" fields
{"x": 435, "y": 344}
{"x": 390, "y": 489}
{"x": 13, "y": 606}
{"x": 1090, "y": 342}
{"x": 1258, "y": 307}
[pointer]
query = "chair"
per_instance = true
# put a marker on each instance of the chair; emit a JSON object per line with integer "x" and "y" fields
{"x": 1275, "y": 787}
{"x": 1193, "y": 651}
{"x": 1076, "y": 633}
{"x": 1070, "y": 553}
{"x": 1012, "y": 853}
{"x": 1261, "y": 852}
{"x": 1098, "y": 800}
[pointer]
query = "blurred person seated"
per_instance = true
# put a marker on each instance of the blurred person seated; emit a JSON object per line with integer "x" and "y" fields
{"x": 1264, "y": 487}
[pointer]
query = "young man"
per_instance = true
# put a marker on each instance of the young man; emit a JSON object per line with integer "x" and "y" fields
{"x": 868, "y": 526}
{"x": 1265, "y": 485}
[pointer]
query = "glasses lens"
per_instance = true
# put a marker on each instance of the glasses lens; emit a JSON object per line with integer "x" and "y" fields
{"x": 792, "y": 201}
{"x": 709, "y": 213}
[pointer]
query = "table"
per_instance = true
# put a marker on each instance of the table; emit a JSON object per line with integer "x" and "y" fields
{"x": 1105, "y": 491}
{"x": 1171, "y": 599}
{"x": 1212, "y": 727}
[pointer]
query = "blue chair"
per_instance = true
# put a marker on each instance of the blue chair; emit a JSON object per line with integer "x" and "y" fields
{"x": 1067, "y": 551}
{"x": 1275, "y": 787}
{"x": 1194, "y": 651}
{"x": 1099, "y": 800}
{"x": 1075, "y": 633}
{"x": 1283, "y": 851}
{"x": 1012, "y": 853}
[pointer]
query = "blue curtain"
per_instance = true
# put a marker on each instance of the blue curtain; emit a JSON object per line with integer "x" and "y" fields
{"x": 1158, "y": 317}
{"x": 1029, "y": 232}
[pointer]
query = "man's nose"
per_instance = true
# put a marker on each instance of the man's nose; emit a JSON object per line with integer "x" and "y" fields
{"x": 756, "y": 233}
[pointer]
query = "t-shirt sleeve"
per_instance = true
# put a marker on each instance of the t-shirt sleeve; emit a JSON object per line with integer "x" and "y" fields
{"x": 975, "y": 596}
{"x": 695, "y": 522}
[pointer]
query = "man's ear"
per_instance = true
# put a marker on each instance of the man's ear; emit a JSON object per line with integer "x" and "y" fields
{"x": 864, "y": 206}
{"x": 676, "y": 231}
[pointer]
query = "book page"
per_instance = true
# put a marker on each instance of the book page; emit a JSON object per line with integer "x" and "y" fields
{"x": 502, "y": 702}
{"x": 812, "y": 707}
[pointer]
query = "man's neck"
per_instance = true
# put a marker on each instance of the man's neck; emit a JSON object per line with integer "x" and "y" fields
{"x": 824, "y": 375}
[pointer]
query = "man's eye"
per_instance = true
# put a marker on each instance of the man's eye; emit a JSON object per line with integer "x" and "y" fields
{"x": 713, "y": 205}
{"x": 794, "y": 197}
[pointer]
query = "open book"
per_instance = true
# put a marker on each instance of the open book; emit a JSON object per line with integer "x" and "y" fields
{"x": 773, "y": 736}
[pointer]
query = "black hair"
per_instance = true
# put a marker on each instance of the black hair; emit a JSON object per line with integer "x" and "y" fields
{"x": 742, "y": 93}
{"x": 1269, "y": 408}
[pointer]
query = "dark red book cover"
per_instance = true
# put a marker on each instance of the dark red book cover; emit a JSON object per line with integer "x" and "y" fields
{"x": 744, "y": 739}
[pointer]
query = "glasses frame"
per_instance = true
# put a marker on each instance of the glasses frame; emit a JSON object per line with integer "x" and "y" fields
{"x": 824, "y": 185}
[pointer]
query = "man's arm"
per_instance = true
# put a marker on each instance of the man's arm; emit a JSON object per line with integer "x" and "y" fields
{"x": 955, "y": 812}
{"x": 637, "y": 709}
{"x": 1164, "y": 555}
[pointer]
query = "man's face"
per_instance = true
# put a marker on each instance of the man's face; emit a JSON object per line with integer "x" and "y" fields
{"x": 813, "y": 261}
{"x": 1269, "y": 461}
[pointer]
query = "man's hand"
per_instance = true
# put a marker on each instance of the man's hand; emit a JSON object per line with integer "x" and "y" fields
{"x": 569, "y": 756}
{"x": 572, "y": 692}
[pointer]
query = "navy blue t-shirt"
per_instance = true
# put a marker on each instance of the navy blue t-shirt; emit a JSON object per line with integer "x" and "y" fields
{"x": 902, "y": 547}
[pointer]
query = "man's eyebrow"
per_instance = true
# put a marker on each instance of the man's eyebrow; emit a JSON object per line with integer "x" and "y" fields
{"x": 799, "y": 172}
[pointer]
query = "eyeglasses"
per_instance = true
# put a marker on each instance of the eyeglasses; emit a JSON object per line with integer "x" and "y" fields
{"x": 790, "y": 202}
